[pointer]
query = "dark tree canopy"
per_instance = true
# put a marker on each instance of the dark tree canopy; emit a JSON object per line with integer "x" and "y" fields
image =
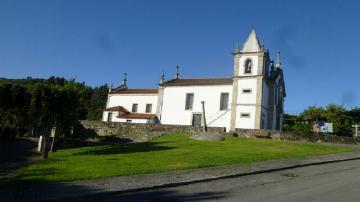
{"x": 40, "y": 104}
{"x": 341, "y": 118}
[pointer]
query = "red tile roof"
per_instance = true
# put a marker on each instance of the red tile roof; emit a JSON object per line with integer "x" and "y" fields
{"x": 198, "y": 81}
{"x": 130, "y": 115}
{"x": 116, "y": 109}
{"x": 135, "y": 91}
{"x": 137, "y": 116}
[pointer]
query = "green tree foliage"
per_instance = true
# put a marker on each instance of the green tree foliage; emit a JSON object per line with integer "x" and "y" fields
{"x": 355, "y": 115}
{"x": 14, "y": 105}
{"x": 341, "y": 118}
{"x": 296, "y": 124}
{"x": 37, "y": 105}
{"x": 97, "y": 105}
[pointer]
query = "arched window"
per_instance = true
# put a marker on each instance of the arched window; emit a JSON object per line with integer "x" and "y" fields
{"x": 248, "y": 66}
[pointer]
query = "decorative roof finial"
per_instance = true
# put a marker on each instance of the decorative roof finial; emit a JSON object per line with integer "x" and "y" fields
{"x": 237, "y": 48}
{"x": 177, "y": 75}
{"x": 124, "y": 80}
{"x": 277, "y": 62}
{"x": 162, "y": 78}
{"x": 111, "y": 87}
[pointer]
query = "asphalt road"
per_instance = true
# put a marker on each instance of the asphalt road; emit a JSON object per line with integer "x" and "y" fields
{"x": 328, "y": 182}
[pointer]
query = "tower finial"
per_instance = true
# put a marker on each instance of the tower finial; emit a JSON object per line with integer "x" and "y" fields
{"x": 237, "y": 48}
{"x": 124, "y": 80}
{"x": 177, "y": 74}
{"x": 162, "y": 78}
{"x": 111, "y": 87}
{"x": 277, "y": 62}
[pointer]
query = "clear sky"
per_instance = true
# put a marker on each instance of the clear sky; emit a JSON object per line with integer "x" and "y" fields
{"x": 97, "y": 41}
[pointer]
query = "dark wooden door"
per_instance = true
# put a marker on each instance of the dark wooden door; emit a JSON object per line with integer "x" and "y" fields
{"x": 196, "y": 120}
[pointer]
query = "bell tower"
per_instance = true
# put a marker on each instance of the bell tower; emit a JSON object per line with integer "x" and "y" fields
{"x": 250, "y": 69}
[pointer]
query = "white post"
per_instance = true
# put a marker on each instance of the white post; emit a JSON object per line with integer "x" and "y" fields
{"x": 203, "y": 116}
{"x": 356, "y": 126}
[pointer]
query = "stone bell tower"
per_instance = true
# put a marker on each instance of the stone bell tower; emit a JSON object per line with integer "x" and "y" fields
{"x": 250, "y": 71}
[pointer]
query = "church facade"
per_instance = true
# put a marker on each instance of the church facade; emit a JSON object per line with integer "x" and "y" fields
{"x": 252, "y": 98}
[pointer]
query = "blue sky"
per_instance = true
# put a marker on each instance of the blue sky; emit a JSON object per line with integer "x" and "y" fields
{"x": 97, "y": 41}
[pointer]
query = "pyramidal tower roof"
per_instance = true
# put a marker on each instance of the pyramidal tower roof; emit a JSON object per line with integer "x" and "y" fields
{"x": 252, "y": 43}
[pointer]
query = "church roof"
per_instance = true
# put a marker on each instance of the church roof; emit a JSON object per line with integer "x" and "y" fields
{"x": 123, "y": 113}
{"x": 135, "y": 91}
{"x": 137, "y": 116}
{"x": 198, "y": 81}
{"x": 252, "y": 43}
{"x": 116, "y": 109}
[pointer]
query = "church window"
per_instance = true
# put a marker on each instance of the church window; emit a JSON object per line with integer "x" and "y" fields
{"x": 245, "y": 115}
{"x": 224, "y": 101}
{"x": 109, "y": 118}
{"x": 246, "y": 90}
{"x": 189, "y": 101}
{"x": 248, "y": 66}
{"x": 148, "y": 108}
{"x": 134, "y": 108}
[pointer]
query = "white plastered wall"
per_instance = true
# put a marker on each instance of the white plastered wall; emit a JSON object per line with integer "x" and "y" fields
{"x": 247, "y": 98}
{"x": 245, "y": 122}
{"x": 127, "y": 100}
{"x": 173, "y": 109}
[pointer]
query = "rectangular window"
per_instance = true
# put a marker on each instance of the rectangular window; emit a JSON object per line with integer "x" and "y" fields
{"x": 134, "y": 108}
{"x": 109, "y": 118}
{"x": 148, "y": 108}
{"x": 189, "y": 101}
{"x": 128, "y": 121}
{"x": 224, "y": 101}
{"x": 246, "y": 90}
{"x": 245, "y": 115}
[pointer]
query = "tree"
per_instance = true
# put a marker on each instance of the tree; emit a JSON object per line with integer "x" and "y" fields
{"x": 342, "y": 122}
{"x": 14, "y": 103}
{"x": 313, "y": 113}
{"x": 355, "y": 115}
{"x": 98, "y": 102}
{"x": 296, "y": 124}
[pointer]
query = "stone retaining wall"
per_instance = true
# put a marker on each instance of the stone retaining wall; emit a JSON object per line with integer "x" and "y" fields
{"x": 311, "y": 137}
{"x": 134, "y": 131}
{"x": 142, "y": 132}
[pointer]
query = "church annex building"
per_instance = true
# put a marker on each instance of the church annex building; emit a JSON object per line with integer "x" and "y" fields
{"x": 253, "y": 98}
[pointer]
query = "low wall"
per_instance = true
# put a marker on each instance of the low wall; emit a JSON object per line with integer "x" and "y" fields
{"x": 143, "y": 132}
{"x": 134, "y": 131}
{"x": 311, "y": 137}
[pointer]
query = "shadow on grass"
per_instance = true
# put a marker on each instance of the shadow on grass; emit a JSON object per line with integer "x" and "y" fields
{"x": 126, "y": 149}
{"x": 35, "y": 177}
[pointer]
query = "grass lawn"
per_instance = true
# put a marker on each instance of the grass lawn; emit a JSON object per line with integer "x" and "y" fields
{"x": 170, "y": 152}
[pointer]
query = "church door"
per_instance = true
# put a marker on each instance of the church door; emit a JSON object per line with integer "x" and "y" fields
{"x": 196, "y": 120}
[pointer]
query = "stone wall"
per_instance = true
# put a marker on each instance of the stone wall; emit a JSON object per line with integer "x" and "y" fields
{"x": 311, "y": 137}
{"x": 134, "y": 131}
{"x": 143, "y": 132}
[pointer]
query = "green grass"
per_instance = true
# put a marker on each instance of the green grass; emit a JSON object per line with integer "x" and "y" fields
{"x": 171, "y": 152}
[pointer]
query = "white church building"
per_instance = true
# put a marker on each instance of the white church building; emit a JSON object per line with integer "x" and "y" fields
{"x": 252, "y": 98}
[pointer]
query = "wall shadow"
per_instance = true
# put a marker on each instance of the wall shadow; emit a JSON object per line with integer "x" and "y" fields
{"x": 126, "y": 149}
